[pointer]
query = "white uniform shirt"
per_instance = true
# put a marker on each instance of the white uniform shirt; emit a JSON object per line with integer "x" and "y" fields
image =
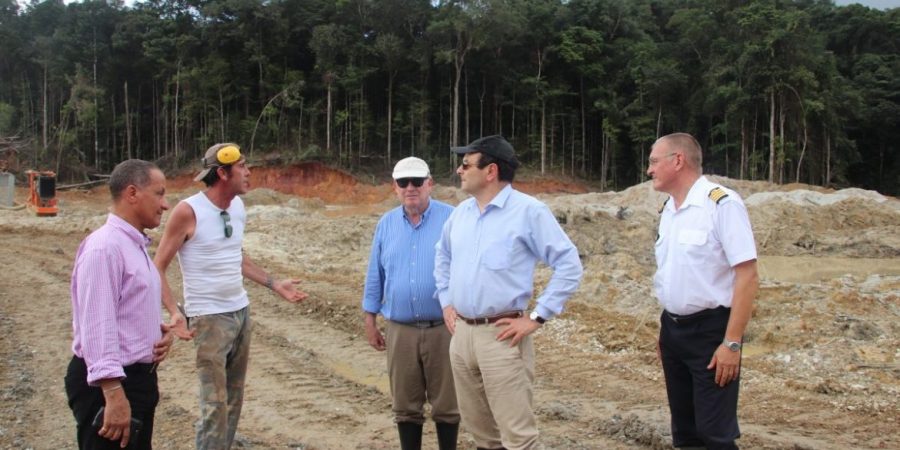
{"x": 697, "y": 248}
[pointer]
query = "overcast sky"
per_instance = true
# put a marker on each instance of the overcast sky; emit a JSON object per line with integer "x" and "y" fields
{"x": 880, "y": 4}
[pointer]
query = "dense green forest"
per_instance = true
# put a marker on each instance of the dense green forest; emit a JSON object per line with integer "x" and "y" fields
{"x": 787, "y": 91}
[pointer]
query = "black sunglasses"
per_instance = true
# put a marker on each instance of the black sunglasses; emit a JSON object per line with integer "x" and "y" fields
{"x": 227, "y": 219}
{"x": 467, "y": 165}
{"x": 404, "y": 182}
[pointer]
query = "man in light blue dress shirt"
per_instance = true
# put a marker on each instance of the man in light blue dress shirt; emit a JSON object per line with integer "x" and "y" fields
{"x": 484, "y": 269}
{"x": 400, "y": 286}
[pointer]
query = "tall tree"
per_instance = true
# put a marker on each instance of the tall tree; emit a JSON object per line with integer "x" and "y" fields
{"x": 329, "y": 43}
{"x": 390, "y": 47}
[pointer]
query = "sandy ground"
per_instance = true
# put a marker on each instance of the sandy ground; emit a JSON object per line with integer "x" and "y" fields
{"x": 820, "y": 368}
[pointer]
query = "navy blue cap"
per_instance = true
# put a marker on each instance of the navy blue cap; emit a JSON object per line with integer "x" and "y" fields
{"x": 495, "y": 145}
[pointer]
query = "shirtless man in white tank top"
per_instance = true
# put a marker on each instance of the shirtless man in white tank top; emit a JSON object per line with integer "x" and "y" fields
{"x": 206, "y": 231}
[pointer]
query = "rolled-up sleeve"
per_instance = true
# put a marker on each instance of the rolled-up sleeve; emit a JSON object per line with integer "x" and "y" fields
{"x": 99, "y": 288}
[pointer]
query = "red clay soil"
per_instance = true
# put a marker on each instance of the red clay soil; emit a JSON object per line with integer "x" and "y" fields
{"x": 334, "y": 186}
{"x": 549, "y": 185}
{"x": 308, "y": 179}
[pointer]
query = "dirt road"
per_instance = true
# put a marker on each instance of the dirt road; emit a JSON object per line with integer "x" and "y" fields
{"x": 820, "y": 368}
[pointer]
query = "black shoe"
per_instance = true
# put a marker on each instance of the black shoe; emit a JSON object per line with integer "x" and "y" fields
{"x": 410, "y": 435}
{"x": 446, "y": 435}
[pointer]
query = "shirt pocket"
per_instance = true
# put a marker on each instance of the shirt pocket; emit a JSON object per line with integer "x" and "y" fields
{"x": 497, "y": 255}
{"x": 692, "y": 244}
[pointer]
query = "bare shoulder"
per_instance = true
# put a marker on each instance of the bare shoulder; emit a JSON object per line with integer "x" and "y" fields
{"x": 181, "y": 222}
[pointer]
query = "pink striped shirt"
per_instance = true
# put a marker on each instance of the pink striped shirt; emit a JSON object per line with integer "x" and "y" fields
{"x": 116, "y": 298}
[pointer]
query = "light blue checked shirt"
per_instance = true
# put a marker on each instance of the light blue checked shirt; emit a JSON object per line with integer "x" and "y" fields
{"x": 485, "y": 262}
{"x": 400, "y": 278}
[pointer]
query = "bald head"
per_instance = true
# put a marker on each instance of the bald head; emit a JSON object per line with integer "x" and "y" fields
{"x": 685, "y": 143}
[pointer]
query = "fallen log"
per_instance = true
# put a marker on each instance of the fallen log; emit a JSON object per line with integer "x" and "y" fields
{"x": 80, "y": 185}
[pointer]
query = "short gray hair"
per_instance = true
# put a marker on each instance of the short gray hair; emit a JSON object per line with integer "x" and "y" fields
{"x": 687, "y": 144}
{"x": 130, "y": 172}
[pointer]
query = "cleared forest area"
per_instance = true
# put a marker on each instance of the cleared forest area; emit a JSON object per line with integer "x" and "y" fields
{"x": 820, "y": 369}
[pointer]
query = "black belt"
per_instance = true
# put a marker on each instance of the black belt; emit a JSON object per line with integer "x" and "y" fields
{"x": 140, "y": 368}
{"x": 492, "y": 319}
{"x": 423, "y": 323}
{"x": 697, "y": 316}
{"x": 134, "y": 368}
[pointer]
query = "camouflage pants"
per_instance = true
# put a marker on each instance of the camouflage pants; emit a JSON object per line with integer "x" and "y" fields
{"x": 223, "y": 347}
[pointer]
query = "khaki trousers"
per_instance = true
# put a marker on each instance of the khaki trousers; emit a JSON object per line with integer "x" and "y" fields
{"x": 494, "y": 387}
{"x": 419, "y": 371}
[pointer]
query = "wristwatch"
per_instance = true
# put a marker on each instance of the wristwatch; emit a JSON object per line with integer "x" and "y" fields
{"x": 535, "y": 317}
{"x": 731, "y": 345}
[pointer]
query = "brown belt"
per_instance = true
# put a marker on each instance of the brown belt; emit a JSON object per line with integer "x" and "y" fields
{"x": 492, "y": 319}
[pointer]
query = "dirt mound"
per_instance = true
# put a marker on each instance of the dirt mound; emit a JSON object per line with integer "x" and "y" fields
{"x": 308, "y": 179}
{"x": 849, "y": 222}
{"x": 802, "y": 221}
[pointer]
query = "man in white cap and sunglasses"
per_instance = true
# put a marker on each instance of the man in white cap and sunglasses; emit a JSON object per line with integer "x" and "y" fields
{"x": 400, "y": 286}
{"x": 206, "y": 231}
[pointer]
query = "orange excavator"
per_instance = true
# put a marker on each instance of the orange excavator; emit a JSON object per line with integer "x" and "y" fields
{"x": 42, "y": 192}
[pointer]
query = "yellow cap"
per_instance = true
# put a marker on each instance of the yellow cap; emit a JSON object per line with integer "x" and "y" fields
{"x": 228, "y": 155}
{"x": 219, "y": 155}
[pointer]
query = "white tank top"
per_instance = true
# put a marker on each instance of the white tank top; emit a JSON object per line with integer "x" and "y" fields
{"x": 210, "y": 262}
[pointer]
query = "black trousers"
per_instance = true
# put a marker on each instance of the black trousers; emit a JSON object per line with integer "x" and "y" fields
{"x": 141, "y": 390}
{"x": 703, "y": 414}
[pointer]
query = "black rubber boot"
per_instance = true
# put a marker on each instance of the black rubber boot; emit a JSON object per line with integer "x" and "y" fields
{"x": 410, "y": 435}
{"x": 446, "y": 434}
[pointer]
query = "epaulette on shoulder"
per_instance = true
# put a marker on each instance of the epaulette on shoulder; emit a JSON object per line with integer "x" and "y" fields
{"x": 663, "y": 206}
{"x": 717, "y": 194}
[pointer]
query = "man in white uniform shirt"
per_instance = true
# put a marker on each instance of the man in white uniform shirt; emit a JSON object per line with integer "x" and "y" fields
{"x": 706, "y": 281}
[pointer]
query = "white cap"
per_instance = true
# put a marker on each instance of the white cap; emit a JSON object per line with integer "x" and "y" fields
{"x": 411, "y": 167}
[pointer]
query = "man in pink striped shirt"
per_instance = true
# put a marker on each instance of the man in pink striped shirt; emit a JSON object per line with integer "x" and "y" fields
{"x": 119, "y": 337}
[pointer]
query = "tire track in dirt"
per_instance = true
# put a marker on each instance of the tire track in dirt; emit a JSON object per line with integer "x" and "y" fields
{"x": 333, "y": 303}
{"x": 309, "y": 402}
{"x": 305, "y": 384}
